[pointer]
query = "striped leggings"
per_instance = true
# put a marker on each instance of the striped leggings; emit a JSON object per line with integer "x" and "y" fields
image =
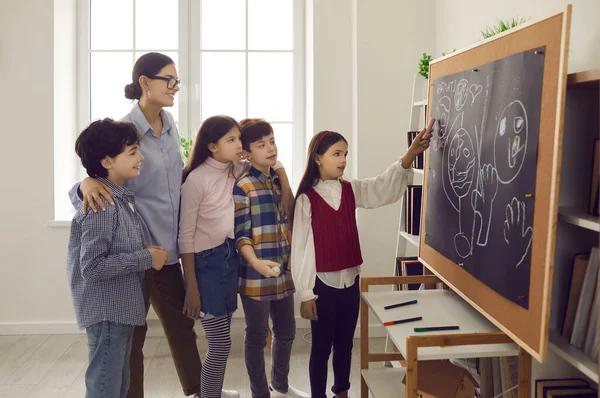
{"x": 219, "y": 344}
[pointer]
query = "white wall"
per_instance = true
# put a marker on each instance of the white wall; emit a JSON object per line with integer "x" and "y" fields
{"x": 458, "y": 24}
{"x": 365, "y": 57}
{"x": 350, "y": 40}
{"x": 33, "y": 285}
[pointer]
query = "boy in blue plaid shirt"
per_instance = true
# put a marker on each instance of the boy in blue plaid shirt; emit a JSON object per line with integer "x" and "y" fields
{"x": 107, "y": 258}
{"x": 265, "y": 283}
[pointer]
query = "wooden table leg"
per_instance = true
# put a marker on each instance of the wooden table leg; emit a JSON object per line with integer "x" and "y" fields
{"x": 524, "y": 374}
{"x": 411, "y": 368}
{"x": 364, "y": 346}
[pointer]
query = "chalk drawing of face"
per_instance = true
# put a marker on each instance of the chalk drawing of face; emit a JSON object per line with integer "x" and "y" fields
{"x": 461, "y": 94}
{"x": 443, "y": 112}
{"x": 510, "y": 142}
{"x": 461, "y": 163}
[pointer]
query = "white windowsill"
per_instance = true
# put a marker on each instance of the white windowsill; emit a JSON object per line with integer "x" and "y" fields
{"x": 59, "y": 223}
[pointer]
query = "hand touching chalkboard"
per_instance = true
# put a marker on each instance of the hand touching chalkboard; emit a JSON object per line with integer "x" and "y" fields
{"x": 419, "y": 144}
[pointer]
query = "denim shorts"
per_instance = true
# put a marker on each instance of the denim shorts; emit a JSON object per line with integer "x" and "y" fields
{"x": 217, "y": 275}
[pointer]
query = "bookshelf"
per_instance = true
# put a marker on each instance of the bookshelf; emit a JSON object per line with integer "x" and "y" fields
{"x": 577, "y": 230}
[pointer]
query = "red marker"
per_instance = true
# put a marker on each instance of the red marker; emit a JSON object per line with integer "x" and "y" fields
{"x": 390, "y": 323}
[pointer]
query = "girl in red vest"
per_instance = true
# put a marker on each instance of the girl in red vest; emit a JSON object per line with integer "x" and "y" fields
{"x": 326, "y": 254}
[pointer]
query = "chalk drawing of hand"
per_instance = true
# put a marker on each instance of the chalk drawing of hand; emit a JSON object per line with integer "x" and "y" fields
{"x": 516, "y": 235}
{"x": 482, "y": 201}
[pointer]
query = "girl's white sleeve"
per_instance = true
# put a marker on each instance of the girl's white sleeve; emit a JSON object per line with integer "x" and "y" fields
{"x": 304, "y": 270}
{"x": 382, "y": 190}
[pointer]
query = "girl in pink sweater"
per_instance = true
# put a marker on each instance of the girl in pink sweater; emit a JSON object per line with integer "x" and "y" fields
{"x": 206, "y": 241}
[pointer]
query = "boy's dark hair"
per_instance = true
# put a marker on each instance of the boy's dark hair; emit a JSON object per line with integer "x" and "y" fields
{"x": 104, "y": 138}
{"x": 253, "y": 130}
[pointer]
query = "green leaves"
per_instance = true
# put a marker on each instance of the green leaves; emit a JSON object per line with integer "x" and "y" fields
{"x": 424, "y": 65}
{"x": 186, "y": 147}
{"x": 501, "y": 26}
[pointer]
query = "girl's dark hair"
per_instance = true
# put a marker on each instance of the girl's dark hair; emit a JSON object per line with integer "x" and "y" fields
{"x": 211, "y": 131}
{"x": 149, "y": 64}
{"x": 104, "y": 138}
{"x": 319, "y": 144}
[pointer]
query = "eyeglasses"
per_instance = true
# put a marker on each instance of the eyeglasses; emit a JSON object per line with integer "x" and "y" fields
{"x": 171, "y": 81}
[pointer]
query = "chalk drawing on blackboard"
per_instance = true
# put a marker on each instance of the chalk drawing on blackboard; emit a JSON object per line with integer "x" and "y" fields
{"x": 515, "y": 232}
{"x": 475, "y": 90}
{"x": 461, "y": 94}
{"x": 510, "y": 143}
{"x": 443, "y": 113}
{"x": 482, "y": 201}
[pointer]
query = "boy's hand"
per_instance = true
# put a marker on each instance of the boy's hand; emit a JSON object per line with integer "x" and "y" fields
{"x": 308, "y": 310}
{"x": 159, "y": 257}
{"x": 91, "y": 190}
{"x": 265, "y": 268}
{"x": 191, "y": 305}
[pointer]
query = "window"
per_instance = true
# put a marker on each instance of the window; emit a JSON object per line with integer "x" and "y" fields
{"x": 242, "y": 58}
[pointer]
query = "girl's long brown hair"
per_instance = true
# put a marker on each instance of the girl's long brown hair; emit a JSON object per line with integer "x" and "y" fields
{"x": 211, "y": 131}
{"x": 319, "y": 144}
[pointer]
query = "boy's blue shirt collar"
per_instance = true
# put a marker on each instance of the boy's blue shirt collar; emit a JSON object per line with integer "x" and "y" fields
{"x": 259, "y": 175}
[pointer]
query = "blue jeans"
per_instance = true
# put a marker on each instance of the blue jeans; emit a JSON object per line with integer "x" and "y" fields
{"x": 107, "y": 375}
{"x": 217, "y": 271}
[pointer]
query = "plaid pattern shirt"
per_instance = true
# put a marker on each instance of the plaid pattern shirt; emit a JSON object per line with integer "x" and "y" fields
{"x": 259, "y": 223}
{"x": 105, "y": 263}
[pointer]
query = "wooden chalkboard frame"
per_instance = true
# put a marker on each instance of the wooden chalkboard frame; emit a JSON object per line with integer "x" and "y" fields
{"x": 527, "y": 327}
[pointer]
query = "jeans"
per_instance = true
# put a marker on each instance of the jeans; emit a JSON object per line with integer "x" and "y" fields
{"x": 217, "y": 271}
{"x": 257, "y": 327}
{"x": 107, "y": 375}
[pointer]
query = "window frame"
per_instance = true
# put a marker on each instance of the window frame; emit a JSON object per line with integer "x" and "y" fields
{"x": 190, "y": 71}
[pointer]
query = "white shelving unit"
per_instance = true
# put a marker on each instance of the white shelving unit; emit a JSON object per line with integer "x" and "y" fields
{"x": 577, "y": 230}
{"x": 386, "y": 382}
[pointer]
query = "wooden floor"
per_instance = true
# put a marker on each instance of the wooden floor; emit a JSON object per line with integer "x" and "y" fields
{"x": 53, "y": 366}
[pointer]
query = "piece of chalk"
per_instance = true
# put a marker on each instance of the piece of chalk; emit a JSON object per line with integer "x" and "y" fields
{"x": 430, "y": 123}
{"x": 276, "y": 269}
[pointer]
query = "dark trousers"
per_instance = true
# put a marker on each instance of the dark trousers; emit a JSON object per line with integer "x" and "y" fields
{"x": 337, "y": 310}
{"x": 165, "y": 290}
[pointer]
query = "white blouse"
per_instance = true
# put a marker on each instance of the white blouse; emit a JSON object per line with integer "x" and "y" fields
{"x": 369, "y": 193}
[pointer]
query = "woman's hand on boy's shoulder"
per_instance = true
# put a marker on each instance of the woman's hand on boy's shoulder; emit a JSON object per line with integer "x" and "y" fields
{"x": 91, "y": 190}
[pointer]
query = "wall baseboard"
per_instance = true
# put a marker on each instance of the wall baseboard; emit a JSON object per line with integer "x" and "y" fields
{"x": 70, "y": 327}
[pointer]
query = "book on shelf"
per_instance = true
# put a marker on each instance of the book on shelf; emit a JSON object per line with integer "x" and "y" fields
{"x": 419, "y": 161}
{"x": 412, "y": 209}
{"x": 595, "y": 183}
{"x": 409, "y": 266}
{"x": 580, "y": 263}
{"x": 586, "y": 324}
{"x": 562, "y": 387}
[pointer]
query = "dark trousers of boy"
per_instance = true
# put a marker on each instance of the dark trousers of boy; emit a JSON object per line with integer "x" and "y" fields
{"x": 165, "y": 290}
{"x": 257, "y": 328}
{"x": 337, "y": 310}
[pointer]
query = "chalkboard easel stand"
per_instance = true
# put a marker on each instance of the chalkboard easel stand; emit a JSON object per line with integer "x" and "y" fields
{"x": 476, "y": 338}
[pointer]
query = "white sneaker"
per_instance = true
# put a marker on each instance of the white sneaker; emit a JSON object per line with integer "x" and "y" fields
{"x": 225, "y": 394}
{"x": 291, "y": 393}
{"x": 230, "y": 394}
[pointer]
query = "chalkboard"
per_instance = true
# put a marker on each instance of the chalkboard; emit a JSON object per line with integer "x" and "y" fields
{"x": 512, "y": 287}
{"x": 482, "y": 169}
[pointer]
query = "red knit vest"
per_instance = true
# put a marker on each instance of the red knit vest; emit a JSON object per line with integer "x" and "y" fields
{"x": 336, "y": 236}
